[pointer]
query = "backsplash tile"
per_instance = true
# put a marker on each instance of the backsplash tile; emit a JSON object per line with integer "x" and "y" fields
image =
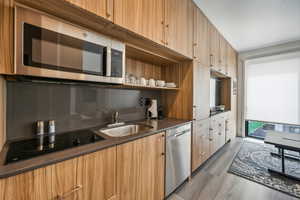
{"x": 73, "y": 107}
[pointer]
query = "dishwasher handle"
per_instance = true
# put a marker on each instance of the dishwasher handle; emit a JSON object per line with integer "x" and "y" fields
{"x": 182, "y": 133}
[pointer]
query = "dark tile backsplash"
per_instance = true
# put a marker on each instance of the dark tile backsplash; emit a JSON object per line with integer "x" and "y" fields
{"x": 73, "y": 107}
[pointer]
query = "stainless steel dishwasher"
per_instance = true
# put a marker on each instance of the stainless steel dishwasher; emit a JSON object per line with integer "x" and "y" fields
{"x": 178, "y": 157}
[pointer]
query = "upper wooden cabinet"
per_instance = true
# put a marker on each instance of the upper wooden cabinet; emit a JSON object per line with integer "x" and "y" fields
{"x": 179, "y": 26}
{"x": 231, "y": 62}
{"x": 167, "y": 22}
{"x": 214, "y": 45}
{"x": 201, "y": 45}
{"x": 7, "y": 36}
{"x": 223, "y": 55}
{"x": 143, "y": 17}
{"x": 140, "y": 169}
{"x": 103, "y": 8}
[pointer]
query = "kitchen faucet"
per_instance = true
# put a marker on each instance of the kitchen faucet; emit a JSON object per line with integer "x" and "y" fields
{"x": 116, "y": 120}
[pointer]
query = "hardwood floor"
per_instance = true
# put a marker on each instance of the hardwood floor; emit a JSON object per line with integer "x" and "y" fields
{"x": 212, "y": 182}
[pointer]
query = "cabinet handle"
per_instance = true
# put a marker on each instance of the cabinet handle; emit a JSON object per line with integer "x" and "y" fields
{"x": 108, "y": 15}
{"x": 211, "y": 59}
{"x": 194, "y": 49}
{"x": 167, "y": 27}
{"x": 65, "y": 195}
{"x": 211, "y": 129}
{"x": 220, "y": 133}
{"x": 163, "y": 154}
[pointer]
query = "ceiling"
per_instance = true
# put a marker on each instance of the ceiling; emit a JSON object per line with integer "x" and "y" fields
{"x": 253, "y": 24}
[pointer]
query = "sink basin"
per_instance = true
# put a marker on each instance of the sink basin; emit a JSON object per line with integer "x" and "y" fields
{"x": 126, "y": 130}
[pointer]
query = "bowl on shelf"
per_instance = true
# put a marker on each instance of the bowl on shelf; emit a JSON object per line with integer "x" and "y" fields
{"x": 170, "y": 85}
{"x": 160, "y": 83}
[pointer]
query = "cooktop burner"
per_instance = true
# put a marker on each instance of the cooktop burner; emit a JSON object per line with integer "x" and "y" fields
{"x": 26, "y": 149}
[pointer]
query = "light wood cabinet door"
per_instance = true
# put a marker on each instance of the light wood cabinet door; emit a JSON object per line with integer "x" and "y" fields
{"x": 201, "y": 35}
{"x": 50, "y": 182}
{"x": 221, "y": 137}
{"x": 200, "y": 143}
{"x": 179, "y": 26}
{"x": 140, "y": 169}
{"x": 223, "y": 54}
{"x": 143, "y": 17}
{"x": 97, "y": 175}
{"x": 231, "y": 62}
{"x": 214, "y": 45}
{"x": 103, "y": 8}
{"x": 201, "y": 87}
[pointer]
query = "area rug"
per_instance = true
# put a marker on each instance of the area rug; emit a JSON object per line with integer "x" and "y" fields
{"x": 254, "y": 159}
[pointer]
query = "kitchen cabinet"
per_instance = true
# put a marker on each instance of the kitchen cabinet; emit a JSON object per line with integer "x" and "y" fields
{"x": 201, "y": 37}
{"x": 140, "y": 169}
{"x": 179, "y": 26}
{"x": 221, "y": 137}
{"x": 143, "y": 17}
{"x": 231, "y": 62}
{"x": 167, "y": 22}
{"x": 103, "y": 8}
{"x": 50, "y": 182}
{"x": 222, "y": 55}
{"x": 87, "y": 177}
{"x": 200, "y": 143}
{"x": 217, "y": 133}
{"x": 214, "y": 45}
{"x": 201, "y": 91}
{"x": 7, "y": 36}
{"x": 213, "y": 135}
{"x": 97, "y": 175}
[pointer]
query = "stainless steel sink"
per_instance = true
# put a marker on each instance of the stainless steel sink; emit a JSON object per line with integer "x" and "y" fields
{"x": 126, "y": 130}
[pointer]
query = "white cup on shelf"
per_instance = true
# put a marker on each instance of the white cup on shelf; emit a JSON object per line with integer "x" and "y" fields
{"x": 151, "y": 82}
{"x": 143, "y": 81}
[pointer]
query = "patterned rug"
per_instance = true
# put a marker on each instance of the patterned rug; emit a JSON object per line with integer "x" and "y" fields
{"x": 254, "y": 159}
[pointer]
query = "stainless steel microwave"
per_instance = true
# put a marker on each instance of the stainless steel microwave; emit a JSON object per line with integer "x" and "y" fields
{"x": 49, "y": 47}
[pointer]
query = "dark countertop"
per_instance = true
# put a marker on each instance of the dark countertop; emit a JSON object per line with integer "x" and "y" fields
{"x": 51, "y": 158}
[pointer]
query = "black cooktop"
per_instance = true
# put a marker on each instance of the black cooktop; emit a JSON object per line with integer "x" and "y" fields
{"x": 26, "y": 149}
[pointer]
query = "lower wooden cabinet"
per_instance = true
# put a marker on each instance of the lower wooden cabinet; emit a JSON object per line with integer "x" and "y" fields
{"x": 51, "y": 182}
{"x": 97, "y": 175}
{"x": 140, "y": 169}
{"x": 230, "y": 129}
{"x": 90, "y": 177}
{"x": 217, "y": 133}
{"x": 200, "y": 143}
{"x": 131, "y": 171}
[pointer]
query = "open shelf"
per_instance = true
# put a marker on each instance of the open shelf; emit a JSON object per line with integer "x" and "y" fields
{"x": 138, "y": 53}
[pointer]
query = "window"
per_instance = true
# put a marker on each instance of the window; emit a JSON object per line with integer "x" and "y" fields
{"x": 272, "y": 86}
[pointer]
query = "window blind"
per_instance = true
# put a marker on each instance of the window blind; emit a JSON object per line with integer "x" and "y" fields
{"x": 272, "y": 89}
